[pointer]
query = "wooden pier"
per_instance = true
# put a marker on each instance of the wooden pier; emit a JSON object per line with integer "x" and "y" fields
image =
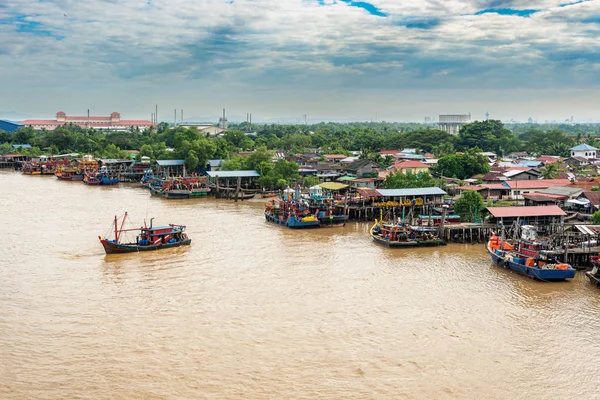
{"x": 467, "y": 232}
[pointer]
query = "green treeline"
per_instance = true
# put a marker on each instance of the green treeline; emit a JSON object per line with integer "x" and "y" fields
{"x": 165, "y": 142}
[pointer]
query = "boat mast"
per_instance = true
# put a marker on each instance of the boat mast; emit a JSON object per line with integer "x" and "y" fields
{"x": 116, "y": 231}
{"x": 123, "y": 223}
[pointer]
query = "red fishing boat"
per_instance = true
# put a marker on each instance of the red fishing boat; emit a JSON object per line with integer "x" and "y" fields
{"x": 147, "y": 238}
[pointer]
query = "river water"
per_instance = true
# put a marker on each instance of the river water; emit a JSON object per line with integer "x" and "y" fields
{"x": 255, "y": 311}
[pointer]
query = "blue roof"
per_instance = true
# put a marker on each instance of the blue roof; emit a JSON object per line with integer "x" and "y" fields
{"x": 583, "y": 147}
{"x": 215, "y": 163}
{"x": 23, "y": 146}
{"x": 233, "y": 174}
{"x": 9, "y": 126}
{"x": 170, "y": 163}
{"x": 409, "y": 156}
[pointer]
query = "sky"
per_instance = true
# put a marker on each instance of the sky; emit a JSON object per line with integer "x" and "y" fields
{"x": 393, "y": 60}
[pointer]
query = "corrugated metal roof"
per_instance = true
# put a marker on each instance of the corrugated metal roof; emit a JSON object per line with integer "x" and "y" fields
{"x": 170, "y": 163}
{"x": 411, "y": 192}
{"x": 583, "y": 147}
{"x": 333, "y": 185}
{"x": 532, "y": 211}
{"x": 233, "y": 174}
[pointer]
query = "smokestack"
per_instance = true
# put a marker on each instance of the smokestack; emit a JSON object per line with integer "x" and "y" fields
{"x": 181, "y": 121}
{"x": 88, "y": 123}
{"x": 156, "y": 115}
{"x": 175, "y": 119}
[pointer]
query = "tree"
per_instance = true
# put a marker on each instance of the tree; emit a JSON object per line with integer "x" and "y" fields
{"x": 233, "y": 164}
{"x": 463, "y": 166}
{"x": 596, "y": 218}
{"x": 284, "y": 173}
{"x": 550, "y": 171}
{"x": 469, "y": 206}
{"x": 400, "y": 180}
{"x": 310, "y": 181}
{"x": 254, "y": 160}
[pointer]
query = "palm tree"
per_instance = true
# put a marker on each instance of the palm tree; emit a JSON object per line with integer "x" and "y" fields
{"x": 550, "y": 171}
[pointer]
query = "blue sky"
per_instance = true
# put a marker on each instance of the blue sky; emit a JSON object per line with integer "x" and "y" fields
{"x": 403, "y": 60}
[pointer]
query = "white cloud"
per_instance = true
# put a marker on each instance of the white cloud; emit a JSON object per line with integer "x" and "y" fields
{"x": 199, "y": 46}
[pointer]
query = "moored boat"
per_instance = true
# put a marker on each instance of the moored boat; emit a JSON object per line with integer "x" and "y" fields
{"x": 400, "y": 234}
{"x": 148, "y": 238}
{"x": 290, "y": 213}
{"x": 530, "y": 258}
{"x": 594, "y": 274}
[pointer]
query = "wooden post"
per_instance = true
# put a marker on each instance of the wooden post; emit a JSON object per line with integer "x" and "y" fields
{"x": 218, "y": 194}
{"x": 237, "y": 187}
{"x": 443, "y": 221}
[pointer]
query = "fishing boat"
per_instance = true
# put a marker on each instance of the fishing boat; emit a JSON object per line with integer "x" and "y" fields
{"x": 90, "y": 178}
{"x": 170, "y": 193}
{"x": 291, "y": 213}
{"x": 269, "y": 194}
{"x": 147, "y": 238}
{"x": 173, "y": 189}
{"x": 198, "y": 186}
{"x": 529, "y": 257}
{"x": 594, "y": 274}
{"x": 323, "y": 206}
{"x": 401, "y": 234}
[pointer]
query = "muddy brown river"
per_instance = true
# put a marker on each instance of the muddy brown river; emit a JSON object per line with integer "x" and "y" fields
{"x": 252, "y": 310}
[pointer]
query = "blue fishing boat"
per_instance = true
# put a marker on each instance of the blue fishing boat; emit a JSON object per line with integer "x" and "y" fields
{"x": 290, "y": 213}
{"x": 147, "y": 238}
{"x": 530, "y": 258}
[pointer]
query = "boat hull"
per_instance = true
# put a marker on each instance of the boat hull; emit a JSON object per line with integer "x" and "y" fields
{"x": 532, "y": 272}
{"x": 294, "y": 224}
{"x": 119, "y": 248}
{"x": 593, "y": 280}
{"x": 333, "y": 221}
{"x": 408, "y": 243}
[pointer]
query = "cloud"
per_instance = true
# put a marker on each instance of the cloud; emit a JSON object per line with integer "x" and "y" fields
{"x": 204, "y": 47}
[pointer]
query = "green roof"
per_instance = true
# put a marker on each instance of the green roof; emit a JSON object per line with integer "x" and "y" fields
{"x": 332, "y": 185}
{"x": 346, "y": 178}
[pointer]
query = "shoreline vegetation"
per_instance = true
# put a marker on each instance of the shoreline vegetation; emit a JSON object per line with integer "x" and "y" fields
{"x": 245, "y": 147}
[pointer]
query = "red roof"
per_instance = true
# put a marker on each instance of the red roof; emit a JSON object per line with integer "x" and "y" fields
{"x": 85, "y": 118}
{"x": 548, "y": 159}
{"x": 41, "y": 122}
{"x": 538, "y": 183}
{"x": 547, "y": 196}
{"x": 411, "y": 164}
{"x": 496, "y": 186}
{"x": 533, "y": 211}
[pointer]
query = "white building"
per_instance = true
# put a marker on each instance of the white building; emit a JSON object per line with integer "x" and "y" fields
{"x": 208, "y": 129}
{"x": 584, "y": 151}
{"x": 452, "y": 123}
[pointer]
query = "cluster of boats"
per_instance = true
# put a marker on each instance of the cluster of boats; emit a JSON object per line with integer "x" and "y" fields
{"x": 176, "y": 187}
{"x": 85, "y": 169}
{"x": 296, "y": 211}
